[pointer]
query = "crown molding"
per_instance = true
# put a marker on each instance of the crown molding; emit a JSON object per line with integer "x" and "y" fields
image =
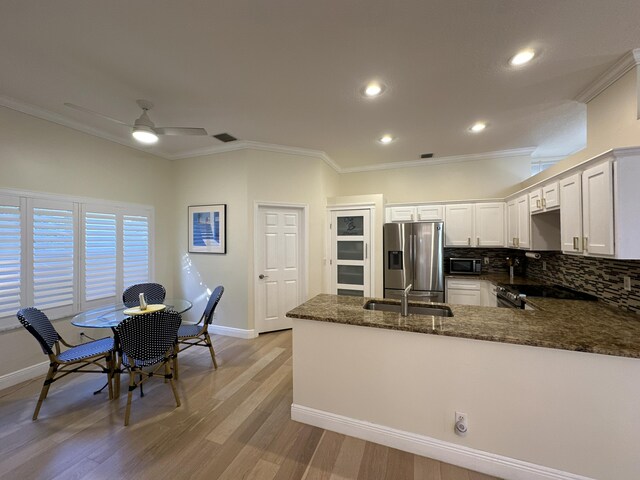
{"x": 617, "y": 70}
{"x": 43, "y": 114}
{"x": 248, "y": 144}
{"x": 268, "y": 147}
{"x": 516, "y": 152}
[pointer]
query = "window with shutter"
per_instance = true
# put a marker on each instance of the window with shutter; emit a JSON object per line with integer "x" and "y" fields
{"x": 100, "y": 255}
{"x": 135, "y": 249}
{"x": 10, "y": 256}
{"x": 53, "y": 257}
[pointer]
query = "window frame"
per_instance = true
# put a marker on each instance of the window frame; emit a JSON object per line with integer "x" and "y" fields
{"x": 27, "y": 201}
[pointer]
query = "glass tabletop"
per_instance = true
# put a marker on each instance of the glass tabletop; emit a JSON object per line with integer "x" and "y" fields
{"x": 109, "y": 316}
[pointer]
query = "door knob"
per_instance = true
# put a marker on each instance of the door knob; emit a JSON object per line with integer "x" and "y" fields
{"x": 262, "y": 276}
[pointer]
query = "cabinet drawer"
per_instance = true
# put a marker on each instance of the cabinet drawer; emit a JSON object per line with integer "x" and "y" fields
{"x": 463, "y": 284}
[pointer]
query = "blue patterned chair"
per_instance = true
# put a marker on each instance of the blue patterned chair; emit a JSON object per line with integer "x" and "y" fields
{"x": 147, "y": 345}
{"x": 198, "y": 334}
{"x": 153, "y": 293}
{"x": 79, "y": 358}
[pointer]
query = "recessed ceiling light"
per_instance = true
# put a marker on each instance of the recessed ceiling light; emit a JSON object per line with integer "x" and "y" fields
{"x": 385, "y": 139}
{"x": 478, "y": 127}
{"x": 373, "y": 89}
{"x": 522, "y": 57}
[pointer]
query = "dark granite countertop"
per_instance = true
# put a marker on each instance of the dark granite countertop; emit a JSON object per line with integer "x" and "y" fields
{"x": 575, "y": 325}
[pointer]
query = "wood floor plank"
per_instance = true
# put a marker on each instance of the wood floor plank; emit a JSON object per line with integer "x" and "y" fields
{"x": 374, "y": 462}
{"x": 426, "y": 469}
{"x": 244, "y": 406}
{"x": 399, "y": 465}
{"x": 324, "y": 457}
{"x": 348, "y": 462}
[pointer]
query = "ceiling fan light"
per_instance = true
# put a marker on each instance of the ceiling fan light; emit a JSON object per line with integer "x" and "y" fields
{"x": 144, "y": 134}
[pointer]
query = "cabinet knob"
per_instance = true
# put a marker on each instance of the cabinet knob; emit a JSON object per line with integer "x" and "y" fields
{"x": 262, "y": 276}
{"x": 469, "y": 241}
{"x": 538, "y": 204}
{"x": 478, "y": 242}
{"x": 585, "y": 244}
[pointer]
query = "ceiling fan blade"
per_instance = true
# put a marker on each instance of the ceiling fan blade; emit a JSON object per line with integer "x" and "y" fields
{"x": 86, "y": 110}
{"x": 180, "y": 131}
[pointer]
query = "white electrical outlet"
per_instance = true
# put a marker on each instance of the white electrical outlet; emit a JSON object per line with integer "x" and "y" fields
{"x": 544, "y": 265}
{"x": 486, "y": 260}
{"x": 627, "y": 283}
{"x": 460, "y": 426}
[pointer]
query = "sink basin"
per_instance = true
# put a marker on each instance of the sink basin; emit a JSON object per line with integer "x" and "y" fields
{"x": 413, "y": 309}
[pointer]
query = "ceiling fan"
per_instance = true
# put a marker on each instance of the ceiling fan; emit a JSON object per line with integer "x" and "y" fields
{"x": 143, "y": 129}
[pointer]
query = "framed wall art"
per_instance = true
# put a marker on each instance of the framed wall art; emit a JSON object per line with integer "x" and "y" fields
{"x": 208, "y": 228}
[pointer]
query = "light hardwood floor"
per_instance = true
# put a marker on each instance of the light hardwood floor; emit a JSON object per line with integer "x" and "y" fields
{"x": 234, "y": 423}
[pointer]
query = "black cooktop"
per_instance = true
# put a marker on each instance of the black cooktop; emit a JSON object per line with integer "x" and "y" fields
{"x": 549, "y": 291}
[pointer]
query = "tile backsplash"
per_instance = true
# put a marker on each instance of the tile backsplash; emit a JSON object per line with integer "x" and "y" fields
{"x": 601, "y": 277}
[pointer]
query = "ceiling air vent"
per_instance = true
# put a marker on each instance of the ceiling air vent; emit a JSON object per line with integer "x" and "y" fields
{"x": 426, "y": 155}
{"x": 225, "y": 137}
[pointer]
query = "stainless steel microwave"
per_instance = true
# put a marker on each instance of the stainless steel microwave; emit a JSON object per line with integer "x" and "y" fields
{"x": 465, "y": 266}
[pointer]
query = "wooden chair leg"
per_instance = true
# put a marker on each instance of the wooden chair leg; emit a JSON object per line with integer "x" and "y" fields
{"x": 176, "y": 349}
{"x": 132, "y": 382}
{"x": 116, "y": 376}
{"x": 207, "y": 340}
{"x": 45, "y": 390}
{"x": 110, "y": 365}
{"x": 167, "y": 374}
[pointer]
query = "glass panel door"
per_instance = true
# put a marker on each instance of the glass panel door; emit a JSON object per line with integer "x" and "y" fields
{"x": 350, "y": 256}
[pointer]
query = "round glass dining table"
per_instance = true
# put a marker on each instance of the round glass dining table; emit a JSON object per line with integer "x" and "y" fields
{"x": 109, "y": 316}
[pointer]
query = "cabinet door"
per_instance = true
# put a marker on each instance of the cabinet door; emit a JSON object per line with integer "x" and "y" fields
{"x": 597, "y": 209}
{"x": 524, "y": 226}
{"x": 427, "y": 213}
{"x": 459, "y": 228}
{"x": 489, "y": 223}
{"x": 350, "y": 256}
{"x": 512, "y": 224}
{"x": 535, "y": 200}
{"x": 571, "y": 213}
{"x": 402, "y": 214}
{"x": 551, "y": 196}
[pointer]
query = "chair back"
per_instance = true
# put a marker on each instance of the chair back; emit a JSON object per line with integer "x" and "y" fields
{"x": 153, "y": 293}
{"x": 212, "y": 304}
{"x": 150, "y": 336}
{"x": 39, "y": 325}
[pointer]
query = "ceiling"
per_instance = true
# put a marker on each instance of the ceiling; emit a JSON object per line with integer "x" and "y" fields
{"x": 290, "y": 72}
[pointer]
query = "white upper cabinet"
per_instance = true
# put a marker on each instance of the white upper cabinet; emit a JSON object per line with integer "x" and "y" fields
{"x": 474, "y": 225}
{"x": 489, "y": 222}
{"x": 426, "y": 213}
{"x": 401, "y": 214}
{"x": 545, "y": 198}
{"x": 518, "y": 223}
{"x": 420, "y": 213}
{"x": 571, "y": 213}
{"x": 597, "y": 209}
{"x": 459, "y": 229}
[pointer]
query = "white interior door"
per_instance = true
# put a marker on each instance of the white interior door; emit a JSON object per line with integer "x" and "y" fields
{"x": 279, "y": 264}
{"x": 350, "y": 252}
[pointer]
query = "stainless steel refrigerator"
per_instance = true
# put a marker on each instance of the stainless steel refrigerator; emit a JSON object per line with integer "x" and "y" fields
{"x": 413, "y": 254}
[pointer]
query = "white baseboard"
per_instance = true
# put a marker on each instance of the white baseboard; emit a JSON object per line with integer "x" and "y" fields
{"x": 28, "y": 373}
{"x": 472, "y": 459}
{"x": 232, "y": 331}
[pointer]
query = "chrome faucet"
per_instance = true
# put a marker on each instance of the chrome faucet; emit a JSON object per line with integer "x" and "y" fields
{"x": 405, "y": 301}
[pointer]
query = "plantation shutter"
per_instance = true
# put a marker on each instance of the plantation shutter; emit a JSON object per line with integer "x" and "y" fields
{"x": 10, "y": 256}
{"x": 53, "y": 255}
{"x": 135, "y": 231}
{"x": 100, "y": 255}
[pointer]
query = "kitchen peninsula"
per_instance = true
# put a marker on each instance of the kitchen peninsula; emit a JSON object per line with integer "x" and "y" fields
{"x": 566, "y": 410}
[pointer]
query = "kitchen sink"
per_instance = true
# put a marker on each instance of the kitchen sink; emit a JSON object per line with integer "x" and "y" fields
{"x": 413, "y": 309}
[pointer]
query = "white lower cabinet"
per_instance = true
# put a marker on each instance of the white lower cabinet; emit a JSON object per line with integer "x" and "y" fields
{"x": 461, "y": 291}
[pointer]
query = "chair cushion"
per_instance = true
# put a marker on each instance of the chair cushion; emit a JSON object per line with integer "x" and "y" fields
{"x": 132, "y": 362}
{"x": 86, "y": 350}
{"x": 189, "y": 331}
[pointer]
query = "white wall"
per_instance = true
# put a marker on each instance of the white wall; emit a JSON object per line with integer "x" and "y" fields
{"x": 570, "y": 411}
{"x": 487, "y": 178}
{"x": 240, "y": 179}
{"x": 41, "y": 156}
{"x": 612, "y": 122}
